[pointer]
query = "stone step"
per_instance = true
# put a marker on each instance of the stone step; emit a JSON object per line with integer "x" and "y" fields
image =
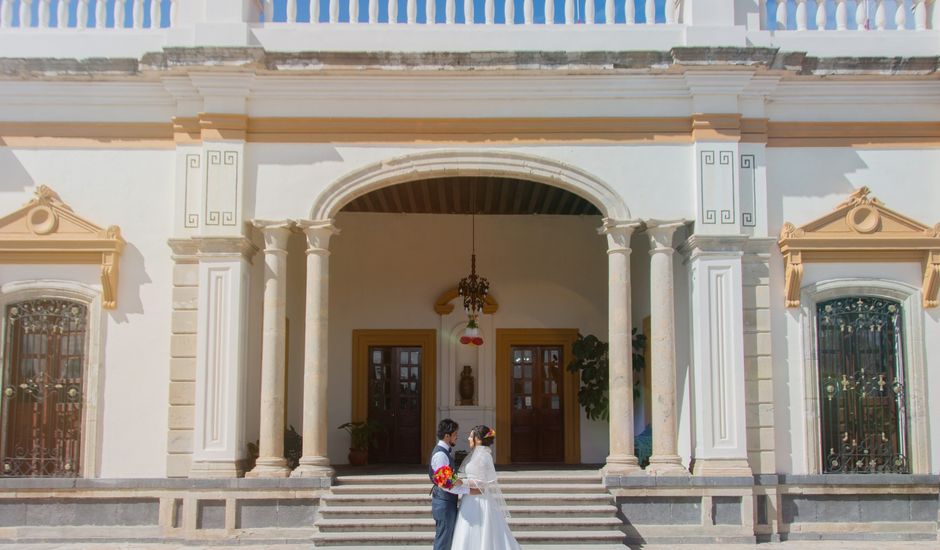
{"x": 557, "y": 499}
{"x": 348, "y": 512}
{"x": 507, "y": 488}
{"x": 555, "y": 538}
{"x": 518, "y": 525}
{"x": 507, "y": 478}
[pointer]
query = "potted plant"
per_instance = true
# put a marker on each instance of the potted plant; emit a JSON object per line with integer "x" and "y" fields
{"x": 590, "y": 360}
{"x": 360, "y": 438}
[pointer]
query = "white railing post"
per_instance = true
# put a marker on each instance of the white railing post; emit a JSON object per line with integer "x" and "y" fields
{"x": 881, "y": 16}
{"x": 781, "y": 16}
{"x": 589, "y": 12}
{"x": 392, "y": 12}
{"x": 821, "y": 18}
{"x": 450, "y": 11}
{"x": 81, "y": 14}
{"x": 45, "y": 14}
{"x": 120, "y": 14}
{"x": 528, "y": 11}
{"x": 353, "y": 11}
{"x": 430, "y": 12}
{"x": 672, "y": 11}
{"x": 138, "y": 14}
{"x": 920, "y": 15}
{"x": 801, "y": 15}
{"x": 6, "y": 13}
{"x": 900, "y": 16}
{"x": 374, "y": 11}
{"x": 291, "y": 9}
{"x": 569, "y": 12}
{"x": 101, "y": 14}
{"x": 334, "y": 11}
{"x": 314, "y": 11}
{"x": 26, "y": 14}
{"x": 412, "y": 11}
{"x": 651, "y": 12}
{"x": 842, "y": 16}
{"x": 489, "y": 12}
{"x": 467, "y": 12}
{"x": 510, "y": 12}
{"x": 154, "y": 14}
{"x": 629, "y": 12}
{"x": 861, "y": 15}
{"x": 609, "y": 12}
{"x": 268, "y": 10}
{"x": 549, "y": 12}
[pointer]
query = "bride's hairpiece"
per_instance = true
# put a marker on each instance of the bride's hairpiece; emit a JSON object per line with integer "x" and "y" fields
{"x": 491, "y": 433}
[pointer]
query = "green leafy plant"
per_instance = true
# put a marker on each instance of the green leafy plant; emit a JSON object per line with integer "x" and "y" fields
{"x": 590, "y": 359}
{"x": 293, "y": 449}
{"x": 361, "y": 433}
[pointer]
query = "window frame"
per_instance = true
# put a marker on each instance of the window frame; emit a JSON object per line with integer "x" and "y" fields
{"x": 912, "y": 356}
{"x": 90, "y": 297}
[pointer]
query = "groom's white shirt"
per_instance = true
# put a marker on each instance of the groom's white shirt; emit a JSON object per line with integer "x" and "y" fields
{"x": 440, "y": 460}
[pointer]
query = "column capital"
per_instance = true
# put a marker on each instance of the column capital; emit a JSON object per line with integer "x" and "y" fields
{"x": 618, "y": 234}
{"x": 318, "y": 234}
{"x": 660, "y": 233}
{"x": 275, "y": 233}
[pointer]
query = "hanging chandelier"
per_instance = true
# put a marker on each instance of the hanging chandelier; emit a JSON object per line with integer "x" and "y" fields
{"x": 473, "y": 289}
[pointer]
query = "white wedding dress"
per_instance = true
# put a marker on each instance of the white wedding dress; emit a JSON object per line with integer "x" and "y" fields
{"x": 481, "y": 520}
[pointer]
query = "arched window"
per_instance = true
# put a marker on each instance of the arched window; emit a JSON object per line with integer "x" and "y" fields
{"x": 43, "y": 388}
{"x": 862, "y": 386}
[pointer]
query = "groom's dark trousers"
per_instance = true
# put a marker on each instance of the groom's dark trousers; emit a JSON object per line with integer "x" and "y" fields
{"x": 443, "y": 507}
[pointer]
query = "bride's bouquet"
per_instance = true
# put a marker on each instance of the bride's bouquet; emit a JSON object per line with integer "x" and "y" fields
{"x": 445, "y": 477}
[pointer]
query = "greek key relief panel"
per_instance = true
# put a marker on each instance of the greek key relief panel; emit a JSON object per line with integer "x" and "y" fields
{"x": 221, "y": 196}
{"x": 717, "y": 191}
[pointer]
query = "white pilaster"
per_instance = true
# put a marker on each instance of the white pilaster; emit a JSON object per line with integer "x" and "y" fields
{"x": 718, "y": 356}
{"x": 665, "y": 458}
{"x": 314, "y": 462}
{"x": 271, "y": 461}
{"x": 219, "y": 431}
{"x": 622, "y": 458}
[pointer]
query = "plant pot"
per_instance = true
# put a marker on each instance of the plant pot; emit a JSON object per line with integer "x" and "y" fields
{"x": 358, "y": 457}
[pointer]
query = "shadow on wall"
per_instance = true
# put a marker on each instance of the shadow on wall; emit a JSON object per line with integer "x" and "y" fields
{"x": 132, "y": 276}
{"x": 801, "y": 176}
{"x": 15, "y": 177}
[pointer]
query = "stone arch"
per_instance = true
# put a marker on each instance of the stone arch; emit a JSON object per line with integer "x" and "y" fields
{"x": 445, "y": 163}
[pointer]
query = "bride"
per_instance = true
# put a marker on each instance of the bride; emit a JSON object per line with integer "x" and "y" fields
{"x": 481, "y": 521}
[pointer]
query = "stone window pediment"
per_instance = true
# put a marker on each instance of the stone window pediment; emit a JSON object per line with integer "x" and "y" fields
{"x": 861, "y": 229}
{"x": 46, "y": 231}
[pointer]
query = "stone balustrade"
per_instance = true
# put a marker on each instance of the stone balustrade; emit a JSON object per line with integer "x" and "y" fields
{"x": 88, "y": 14}
{"x": 841, "y": 15}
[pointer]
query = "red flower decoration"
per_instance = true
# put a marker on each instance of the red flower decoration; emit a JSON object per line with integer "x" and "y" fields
{"x": 477, "y": 341}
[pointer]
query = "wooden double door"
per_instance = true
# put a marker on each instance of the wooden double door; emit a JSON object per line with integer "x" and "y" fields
{"x": 395, "y": 380}
{"x": 536, "y": 404}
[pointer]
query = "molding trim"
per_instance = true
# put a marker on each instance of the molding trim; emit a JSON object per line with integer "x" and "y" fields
{"x": 716, "y": 127}
{"x": 564, "y": 337}
{"x": 457, "y": 162}
{"x": 861, "y": 229}
{"x": 915, "y": 363}
{"x": 853, "y": 134}
{"x": 108, "y": 135}
{"x": 443, "y": 305}
{"x": 426, "y": 339}
{"x": 46, "y": 231}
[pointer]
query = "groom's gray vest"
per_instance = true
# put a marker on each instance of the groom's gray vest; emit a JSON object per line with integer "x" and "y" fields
{"x": 437, "y": 492}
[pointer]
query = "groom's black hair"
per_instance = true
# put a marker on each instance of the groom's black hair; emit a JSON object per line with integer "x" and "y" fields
{"x": 480, "y": 432}
{"x": 446, "y": 427}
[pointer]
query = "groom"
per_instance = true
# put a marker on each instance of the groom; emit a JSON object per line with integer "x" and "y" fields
{"x": 444, "y": 500}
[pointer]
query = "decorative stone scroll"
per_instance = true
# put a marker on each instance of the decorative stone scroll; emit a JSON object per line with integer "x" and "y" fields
{"x": 46, "y": 231}
{"x": 861, "y": 229}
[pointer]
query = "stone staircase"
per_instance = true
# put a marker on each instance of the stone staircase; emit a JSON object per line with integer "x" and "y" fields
{"x": 568, "y": 508}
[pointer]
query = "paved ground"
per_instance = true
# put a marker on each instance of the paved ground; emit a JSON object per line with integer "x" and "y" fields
{"x": 792, "y": 545}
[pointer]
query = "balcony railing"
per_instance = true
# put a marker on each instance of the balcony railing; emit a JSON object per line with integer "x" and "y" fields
{"x": 130, "y": 28}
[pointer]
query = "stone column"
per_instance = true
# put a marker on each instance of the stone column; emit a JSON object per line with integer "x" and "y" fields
{"x": 665, "y": 458}
{"x": 271, "y": 461}
{"x": 622, "y": 458}
{"x": 314, "y": 462}
{"x": 219, "y": 426}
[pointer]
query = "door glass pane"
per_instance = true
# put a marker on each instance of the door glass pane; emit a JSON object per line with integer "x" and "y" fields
{"x": 376, "y": 356}
{"x": 517, "y": 371}
{"x": 403, "y": 359}
{"x": 414, "y": 358}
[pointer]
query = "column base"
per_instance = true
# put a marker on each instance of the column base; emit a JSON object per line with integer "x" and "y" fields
{"x": 217, "y": 468}
{"x": 314, "y": 466}
{"x": 270, "y": 467}
{"x": 727, "y": 467}
{"x": 621, "y": 465}
{"x": 666, "y": 465}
